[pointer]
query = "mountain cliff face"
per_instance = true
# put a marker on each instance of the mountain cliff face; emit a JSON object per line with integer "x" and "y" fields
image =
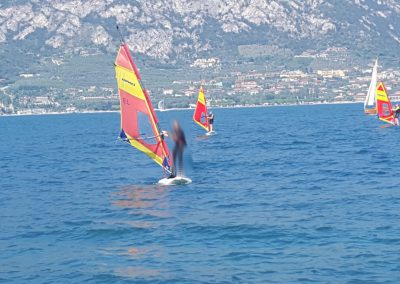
{"x": 170, "y": 29}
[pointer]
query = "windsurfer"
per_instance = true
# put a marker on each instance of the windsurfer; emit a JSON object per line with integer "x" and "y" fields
{"x": 210, "y": 118}
{"x": 396, "y": 111}
{"x": 180, "y": 143}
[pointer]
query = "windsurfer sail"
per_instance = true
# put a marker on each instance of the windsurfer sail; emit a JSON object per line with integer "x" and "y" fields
{"x": 139, "y": 123}
{"x": 384, "y": 107}
{"x": 370, "y": 99}
{"x": 200, "y": 112}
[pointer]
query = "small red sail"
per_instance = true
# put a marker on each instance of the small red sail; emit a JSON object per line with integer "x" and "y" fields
{"x": 200, "y": 113}
{"x": 384, "y": 107}
{"x": 139, "y": 124}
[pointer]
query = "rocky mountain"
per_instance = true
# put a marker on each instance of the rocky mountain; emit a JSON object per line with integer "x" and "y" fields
{"x": 184, "y": 29}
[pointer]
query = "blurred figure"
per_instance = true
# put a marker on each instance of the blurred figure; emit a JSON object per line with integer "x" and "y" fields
{"x": 180, "y": 143}
{"x": 210, "y": 118}
{"x": 396, "y": 114}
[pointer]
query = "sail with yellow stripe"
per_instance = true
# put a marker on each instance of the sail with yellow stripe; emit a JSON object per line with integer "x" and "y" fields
{"x": 139, "y": 123}
{"x": 383, "y": 104}
{"x": 201, "y": 113}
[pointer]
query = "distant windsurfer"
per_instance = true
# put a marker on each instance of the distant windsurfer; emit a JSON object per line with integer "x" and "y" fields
{"x": 180, "y": 143}
{"x": 210, "y": 118}
{"x": 396, "y": 111}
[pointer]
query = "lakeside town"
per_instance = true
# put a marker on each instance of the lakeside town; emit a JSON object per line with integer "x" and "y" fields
{"x": 320, "y": 77}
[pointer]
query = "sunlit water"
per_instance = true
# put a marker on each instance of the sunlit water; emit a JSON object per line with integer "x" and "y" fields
{"x": 279, "y": 195}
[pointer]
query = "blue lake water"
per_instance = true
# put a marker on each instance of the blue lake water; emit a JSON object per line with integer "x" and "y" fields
{"x": 279, "y": 195}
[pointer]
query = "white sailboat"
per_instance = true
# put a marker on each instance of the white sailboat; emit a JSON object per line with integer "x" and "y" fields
{"x": 161, "y": 105}
{"x": 370, "y": 100}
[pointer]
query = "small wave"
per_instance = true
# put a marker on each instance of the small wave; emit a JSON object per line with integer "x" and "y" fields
{"x": 109, "y": 232}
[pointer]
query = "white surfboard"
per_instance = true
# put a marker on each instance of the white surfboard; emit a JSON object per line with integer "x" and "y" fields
{"x": 175, "y": 181}
{"x": 211, "y": 133}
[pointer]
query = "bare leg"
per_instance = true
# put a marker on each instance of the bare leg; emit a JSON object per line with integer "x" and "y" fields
{"x": 174, "y": 154}
{"x": 180, "y": 158}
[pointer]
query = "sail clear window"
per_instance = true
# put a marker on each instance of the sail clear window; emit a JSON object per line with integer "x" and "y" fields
{"x": 203, "y": 118}
{"x": 145, "y": 130}
{"x": 386, "y": 110}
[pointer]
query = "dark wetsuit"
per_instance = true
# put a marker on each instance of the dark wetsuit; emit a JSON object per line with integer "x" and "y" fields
{"x": 397, "y": 113}
{"x": 211, "y": 118}
{"x": 177, "y": 153}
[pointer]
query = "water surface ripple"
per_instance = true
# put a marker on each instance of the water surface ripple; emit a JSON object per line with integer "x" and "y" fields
{"x": 280, "y": 195}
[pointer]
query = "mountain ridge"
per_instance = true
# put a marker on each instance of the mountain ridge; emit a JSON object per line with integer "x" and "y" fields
{"x": 180, "y": 30}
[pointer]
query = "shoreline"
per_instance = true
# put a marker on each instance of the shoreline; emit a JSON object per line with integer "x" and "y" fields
{"x": 181, "y": 109}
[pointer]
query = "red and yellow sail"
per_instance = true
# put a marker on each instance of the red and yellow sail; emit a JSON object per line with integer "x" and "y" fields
{"x": 139, "y": 124}
{"x": 200, "y": 113}
{"x": 383, "y": 105}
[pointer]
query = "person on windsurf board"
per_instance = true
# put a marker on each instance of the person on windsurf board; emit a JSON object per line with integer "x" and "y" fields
{"x": 178, "y": 136}
{"x": 396, "y": 111}
{"x": 210, "y": 118}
